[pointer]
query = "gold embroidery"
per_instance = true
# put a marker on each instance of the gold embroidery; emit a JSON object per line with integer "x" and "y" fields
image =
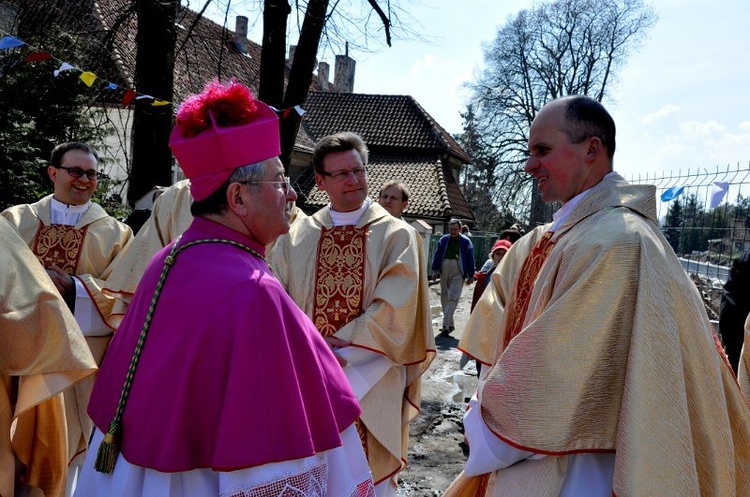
{"x": 59, "y": 245}
{"x": 339, "y": 277}
{"x": 362, "y": 432}
{"x": 525, "y": 285}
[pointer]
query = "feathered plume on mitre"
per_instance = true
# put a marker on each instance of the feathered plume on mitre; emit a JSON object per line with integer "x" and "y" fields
{"x": 222, "y": 128}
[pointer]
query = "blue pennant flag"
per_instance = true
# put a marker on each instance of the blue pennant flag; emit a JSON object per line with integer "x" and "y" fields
{"x": 10, "y": 42}
{"x": 110, "y": 86}
{"x": 672, "y": 193}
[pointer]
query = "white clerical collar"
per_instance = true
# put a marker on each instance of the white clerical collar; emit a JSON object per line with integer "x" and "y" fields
{"x": 349, "y": 218}
{"x": 561, "y": 215}
{"x": 69, "y": 215}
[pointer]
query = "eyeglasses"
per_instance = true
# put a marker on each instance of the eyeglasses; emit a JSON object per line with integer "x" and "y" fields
{"x": 284, "y": 184}
{"x": 77, "y": 172}
{"x": 341, "y": 176}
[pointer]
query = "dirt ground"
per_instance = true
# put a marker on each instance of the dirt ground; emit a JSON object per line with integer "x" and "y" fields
{"x": 436, "y": 454}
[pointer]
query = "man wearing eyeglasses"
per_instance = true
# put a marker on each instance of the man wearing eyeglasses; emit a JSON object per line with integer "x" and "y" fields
{"x": 76, "y": 241}
{"x": 356, "y": 271}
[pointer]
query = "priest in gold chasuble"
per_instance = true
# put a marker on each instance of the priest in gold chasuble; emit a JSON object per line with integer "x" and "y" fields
{"x": 43, "y": 352}
{"x": 608, "y": 378}
{"x": 76, "y": 241}
{"x": 359, "y": 274}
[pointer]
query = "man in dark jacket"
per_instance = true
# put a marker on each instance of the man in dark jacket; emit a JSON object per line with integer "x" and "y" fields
{"x": 454, "y": 263}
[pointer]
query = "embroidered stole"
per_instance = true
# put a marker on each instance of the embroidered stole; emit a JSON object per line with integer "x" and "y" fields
{"x": 340, "y": 285}
{"x": 59, "y": 245}
{"x": 525, "y": 285}
{"x": 339, "y": 277}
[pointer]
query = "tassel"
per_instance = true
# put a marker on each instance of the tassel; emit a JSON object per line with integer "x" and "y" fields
{"x": 108, "y": 451}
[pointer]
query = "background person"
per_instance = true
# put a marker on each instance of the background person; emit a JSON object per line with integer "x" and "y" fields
{"x": 453, "y": 262}
{"x": 735, "y": 308}
{"x": 394, "y": 197}
{"x": 482, "y": 277}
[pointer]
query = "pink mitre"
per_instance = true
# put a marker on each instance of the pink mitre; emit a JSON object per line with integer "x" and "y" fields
{"x": 222, "y": 128}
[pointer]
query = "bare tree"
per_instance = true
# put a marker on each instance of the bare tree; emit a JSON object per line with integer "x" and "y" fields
{"x": 556, "y": 48}
{"x": 323, "y": 23}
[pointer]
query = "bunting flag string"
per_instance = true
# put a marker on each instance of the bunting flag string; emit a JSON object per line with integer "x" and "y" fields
{"x": 88, "y": 78}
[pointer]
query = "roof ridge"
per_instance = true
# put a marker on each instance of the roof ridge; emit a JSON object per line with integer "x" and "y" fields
{"x": 441, "y": 134}
{"x": 443, "y": 188}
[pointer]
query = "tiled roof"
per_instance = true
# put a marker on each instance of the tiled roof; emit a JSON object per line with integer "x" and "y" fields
{"x": 304, "y": 142}
{"x": 209, "y": 52}
{"x": 392, "y": 122}
{"x": 110, "y": 27}
{"x": 404, "y": 140}
{"x": 434, "y": 193}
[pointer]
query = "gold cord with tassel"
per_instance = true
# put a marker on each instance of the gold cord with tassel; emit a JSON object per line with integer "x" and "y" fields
{"x": 109, "y": 448}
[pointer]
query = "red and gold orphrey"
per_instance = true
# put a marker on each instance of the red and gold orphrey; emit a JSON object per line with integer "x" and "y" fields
{"x": 339, "y": 285}
{"x": 339, "y": 277}
{"x": 59, "y": 245}
{"x": 525, "y": 285}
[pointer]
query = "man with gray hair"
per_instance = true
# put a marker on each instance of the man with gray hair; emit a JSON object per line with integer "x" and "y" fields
{"x": 454, "y": 264}
{"x": 250, "y": 398}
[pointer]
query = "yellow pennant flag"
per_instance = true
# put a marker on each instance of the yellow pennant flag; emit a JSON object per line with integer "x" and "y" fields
{"x": 159, "y": 103}
{"x": 88, "y": 78}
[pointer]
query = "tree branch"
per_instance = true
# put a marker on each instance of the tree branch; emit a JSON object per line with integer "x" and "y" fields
{"x": 384, "y": 18}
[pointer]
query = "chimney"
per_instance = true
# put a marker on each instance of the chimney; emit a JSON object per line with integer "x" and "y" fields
{"x": 323, "y": 70}
{"x": 344, "y": 77}
{"x": 240, "y": 34}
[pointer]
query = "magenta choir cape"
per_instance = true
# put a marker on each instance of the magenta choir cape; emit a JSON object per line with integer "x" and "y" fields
{"x": 232, "y": 374}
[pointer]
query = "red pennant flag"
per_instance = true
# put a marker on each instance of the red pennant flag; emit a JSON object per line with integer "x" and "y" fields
{"x": 128, "y": 97}
{"x": 37, "y": 56}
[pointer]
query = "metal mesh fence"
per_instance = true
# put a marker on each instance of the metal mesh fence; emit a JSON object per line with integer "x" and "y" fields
{"x": 705, "y": 216}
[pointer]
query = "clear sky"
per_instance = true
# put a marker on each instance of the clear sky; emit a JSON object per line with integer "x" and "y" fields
{"x": 681, "y": 102}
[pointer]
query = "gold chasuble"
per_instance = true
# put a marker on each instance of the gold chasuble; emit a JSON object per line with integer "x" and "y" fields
{"x": 616, "y": 354}
{"x": 525, "y": 284}
{"x": 43, "y": 353}
{"x": 481, "y": 338}
{"x": 86, "y": 251}
{"x": 169, "y": 219}
{"x": 743, "y": 371}
{"x": 367, "y": 284}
